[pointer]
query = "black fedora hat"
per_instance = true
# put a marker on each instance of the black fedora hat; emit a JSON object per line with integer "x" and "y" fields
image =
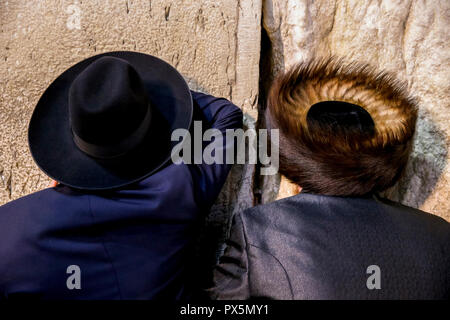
{"x": 106, "y": 122}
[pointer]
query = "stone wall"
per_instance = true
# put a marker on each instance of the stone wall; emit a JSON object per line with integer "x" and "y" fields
{"x": 217, "y": 46}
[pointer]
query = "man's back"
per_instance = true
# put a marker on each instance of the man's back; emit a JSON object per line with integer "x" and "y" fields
{"x": 134, "y": 243}
{"x": 130, "y": 244}
{"x": 320, "y": 247}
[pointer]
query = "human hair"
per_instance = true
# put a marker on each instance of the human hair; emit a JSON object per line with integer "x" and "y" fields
{"x": 345, "y": 128}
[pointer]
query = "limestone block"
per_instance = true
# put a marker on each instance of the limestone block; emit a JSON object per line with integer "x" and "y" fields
{"x": 407, "y": 37}
{"x": 214, "y": 44}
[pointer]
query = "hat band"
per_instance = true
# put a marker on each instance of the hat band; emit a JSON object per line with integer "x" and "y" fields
{"x": 118, "y": 149}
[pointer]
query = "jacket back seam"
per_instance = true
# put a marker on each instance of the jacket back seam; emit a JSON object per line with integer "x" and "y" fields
{"x": 108, "y": 256}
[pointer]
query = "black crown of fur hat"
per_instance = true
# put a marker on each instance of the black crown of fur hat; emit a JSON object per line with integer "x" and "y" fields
{"x": 345, "y": 128}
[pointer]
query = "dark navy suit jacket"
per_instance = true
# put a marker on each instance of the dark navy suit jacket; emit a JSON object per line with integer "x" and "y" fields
{"x": 134, "y": 243}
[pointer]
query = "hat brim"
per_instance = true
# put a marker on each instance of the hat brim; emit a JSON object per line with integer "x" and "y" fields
{"x": 50, "y": 135}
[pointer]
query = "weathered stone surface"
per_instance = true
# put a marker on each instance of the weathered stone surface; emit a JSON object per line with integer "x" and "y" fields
{"x": 215, "y": 45}
{"x": 409, "y": 38}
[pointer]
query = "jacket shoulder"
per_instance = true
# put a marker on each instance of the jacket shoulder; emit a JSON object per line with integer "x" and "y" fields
{"x": 25, "y": 201}
{"x": 301, "y": 214}
{"x": 421, "y": 225}
{"x": 39, "y": 202}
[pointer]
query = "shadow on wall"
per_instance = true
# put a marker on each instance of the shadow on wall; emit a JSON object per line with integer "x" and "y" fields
{"x": 235, "y": 196}
{"x": 425, "y": 166}
{"x": 270, "y": 65}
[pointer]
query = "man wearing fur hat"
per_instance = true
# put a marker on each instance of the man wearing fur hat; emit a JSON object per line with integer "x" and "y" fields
{"x": 345, "y": 135}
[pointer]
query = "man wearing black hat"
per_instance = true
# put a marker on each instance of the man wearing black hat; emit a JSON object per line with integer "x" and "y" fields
{"x": 123, "y": 221}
